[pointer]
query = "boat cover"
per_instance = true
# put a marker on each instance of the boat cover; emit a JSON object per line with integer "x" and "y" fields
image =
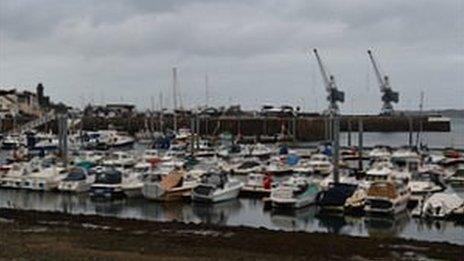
{"x": 445, "y": 201}
{"x": 336, "y": 195}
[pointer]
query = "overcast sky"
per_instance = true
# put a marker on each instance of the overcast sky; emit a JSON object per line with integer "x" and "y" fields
{"x": 254, "y": 52}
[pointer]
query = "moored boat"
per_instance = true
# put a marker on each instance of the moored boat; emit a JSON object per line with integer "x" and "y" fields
{"x": 335, "y": 196}
{"x": 257, "y": 184}
{"x": 173, "y": 186}
{"x": 321, "y": 164}
{"x": 43, "y": 176}
{"x": 439, "y": 205}
{"x": 294, "y": 192}
{"x": 387, "y": 197}
{"x": 107, "y": 185}
{"x": 457, "y": 177}
{"x": 120, "y": 159}
{"x": 216, "y": 187}
{"x": 77, "y": 180}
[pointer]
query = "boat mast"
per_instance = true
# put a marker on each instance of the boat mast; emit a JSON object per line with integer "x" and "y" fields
{"x": 421, "y": 107}
{"x": 206, "y": 90}
{"x": 174, "y": 97}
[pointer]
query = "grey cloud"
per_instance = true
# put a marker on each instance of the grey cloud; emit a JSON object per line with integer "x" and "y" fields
{"x": 254, "y": 51}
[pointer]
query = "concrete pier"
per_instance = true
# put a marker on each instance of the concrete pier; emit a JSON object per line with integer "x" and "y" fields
{"x": 296, "y": 128}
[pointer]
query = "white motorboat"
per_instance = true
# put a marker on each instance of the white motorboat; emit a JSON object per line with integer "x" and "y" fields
{"x": 132, "y": 184}
{"x": 77, "y": 180}
{"x": 43, "y": 178}
{"x": 94, "y": 157}
{"x": 166, "y": 167}
{"x": 457, "y": 177}
{"x": 216, "y": 187}
{"x": 114, "y": 139}
{"x": 356, "y": 203}
{"x": 440, "y": 205}
{"x": 106, "y": 139}
{"x": 259, "y": 150}
{"x": 12, "y": 141}
{"x": 258, "y": 183}
{"x": 183, "y": 134}
{"x": 45, "y": 141}
{"x": 380, "y": 153}
{"x": 294, "y": 192}
{"x": 321, "y": 164}
{"x": 13, "y": 178}
{"x": 387, "y": 197}
{"x": 383, "y": 171}
{"x": 205, "y": 149}
{"x": 303, "y": 167}
{"x": 169, "y": 187}
{"x": 406, "y": 159}
{"x": 174, "y": 151}
{"x": 278, "y": 167}
{"x": 151, "y": 156}
{"x": 120, "y": 159}
{"x": 424, "y": 183}
{"x": 234, "y": 150}
{"x": 247, "y": 167}
{"x": 107, "y": 185}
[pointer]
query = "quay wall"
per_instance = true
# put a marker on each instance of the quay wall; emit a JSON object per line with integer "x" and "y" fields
{"x": 302, "y": 128}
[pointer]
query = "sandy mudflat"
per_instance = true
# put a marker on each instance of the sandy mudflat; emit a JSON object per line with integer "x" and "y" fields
{"x": 51, "y": 235}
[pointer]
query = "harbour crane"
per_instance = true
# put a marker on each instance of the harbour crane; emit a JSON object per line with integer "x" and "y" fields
{"x": 388, "y": 95}
{"x": 333, "y": 94}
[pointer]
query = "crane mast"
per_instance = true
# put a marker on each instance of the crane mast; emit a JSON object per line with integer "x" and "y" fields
{"x": 333, "y": 94}
{"x": 388, "y": 95}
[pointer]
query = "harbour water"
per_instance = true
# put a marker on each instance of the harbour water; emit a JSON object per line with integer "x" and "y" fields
{"x": 454, "y": 139}
{"x": 251, "y": 212}
{"x": 241, "y": 212}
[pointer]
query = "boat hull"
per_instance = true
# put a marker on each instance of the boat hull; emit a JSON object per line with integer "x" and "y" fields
{"x": 293, "y": 203}
{"x": 74, "y": 187}
{"x": 394, "y": 209}
{"x": 154, "y": 193}
{"x": 217, "y": 196}
{"x": 97, "y": 192}
{"x": 39, "y": 184}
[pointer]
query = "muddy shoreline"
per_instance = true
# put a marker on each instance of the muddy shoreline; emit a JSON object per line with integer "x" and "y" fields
{"x": 54, "y": 235}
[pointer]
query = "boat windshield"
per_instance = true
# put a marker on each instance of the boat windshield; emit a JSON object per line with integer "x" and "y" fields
{"x": 75, "y": 175}
{"x": 109, "y": 178}
{"x": 248, "y": 164}
{"x": 422, "y": 177}
{"x": 215, "y": 179}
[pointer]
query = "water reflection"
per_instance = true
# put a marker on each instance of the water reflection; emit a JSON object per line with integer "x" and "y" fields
{"x": 299, "y": 219}
{"x": 340, "y": 224}
{"x": 246, "y": 212}
{"x": 217, "y": 213}
{"x": 377, "y": 226}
